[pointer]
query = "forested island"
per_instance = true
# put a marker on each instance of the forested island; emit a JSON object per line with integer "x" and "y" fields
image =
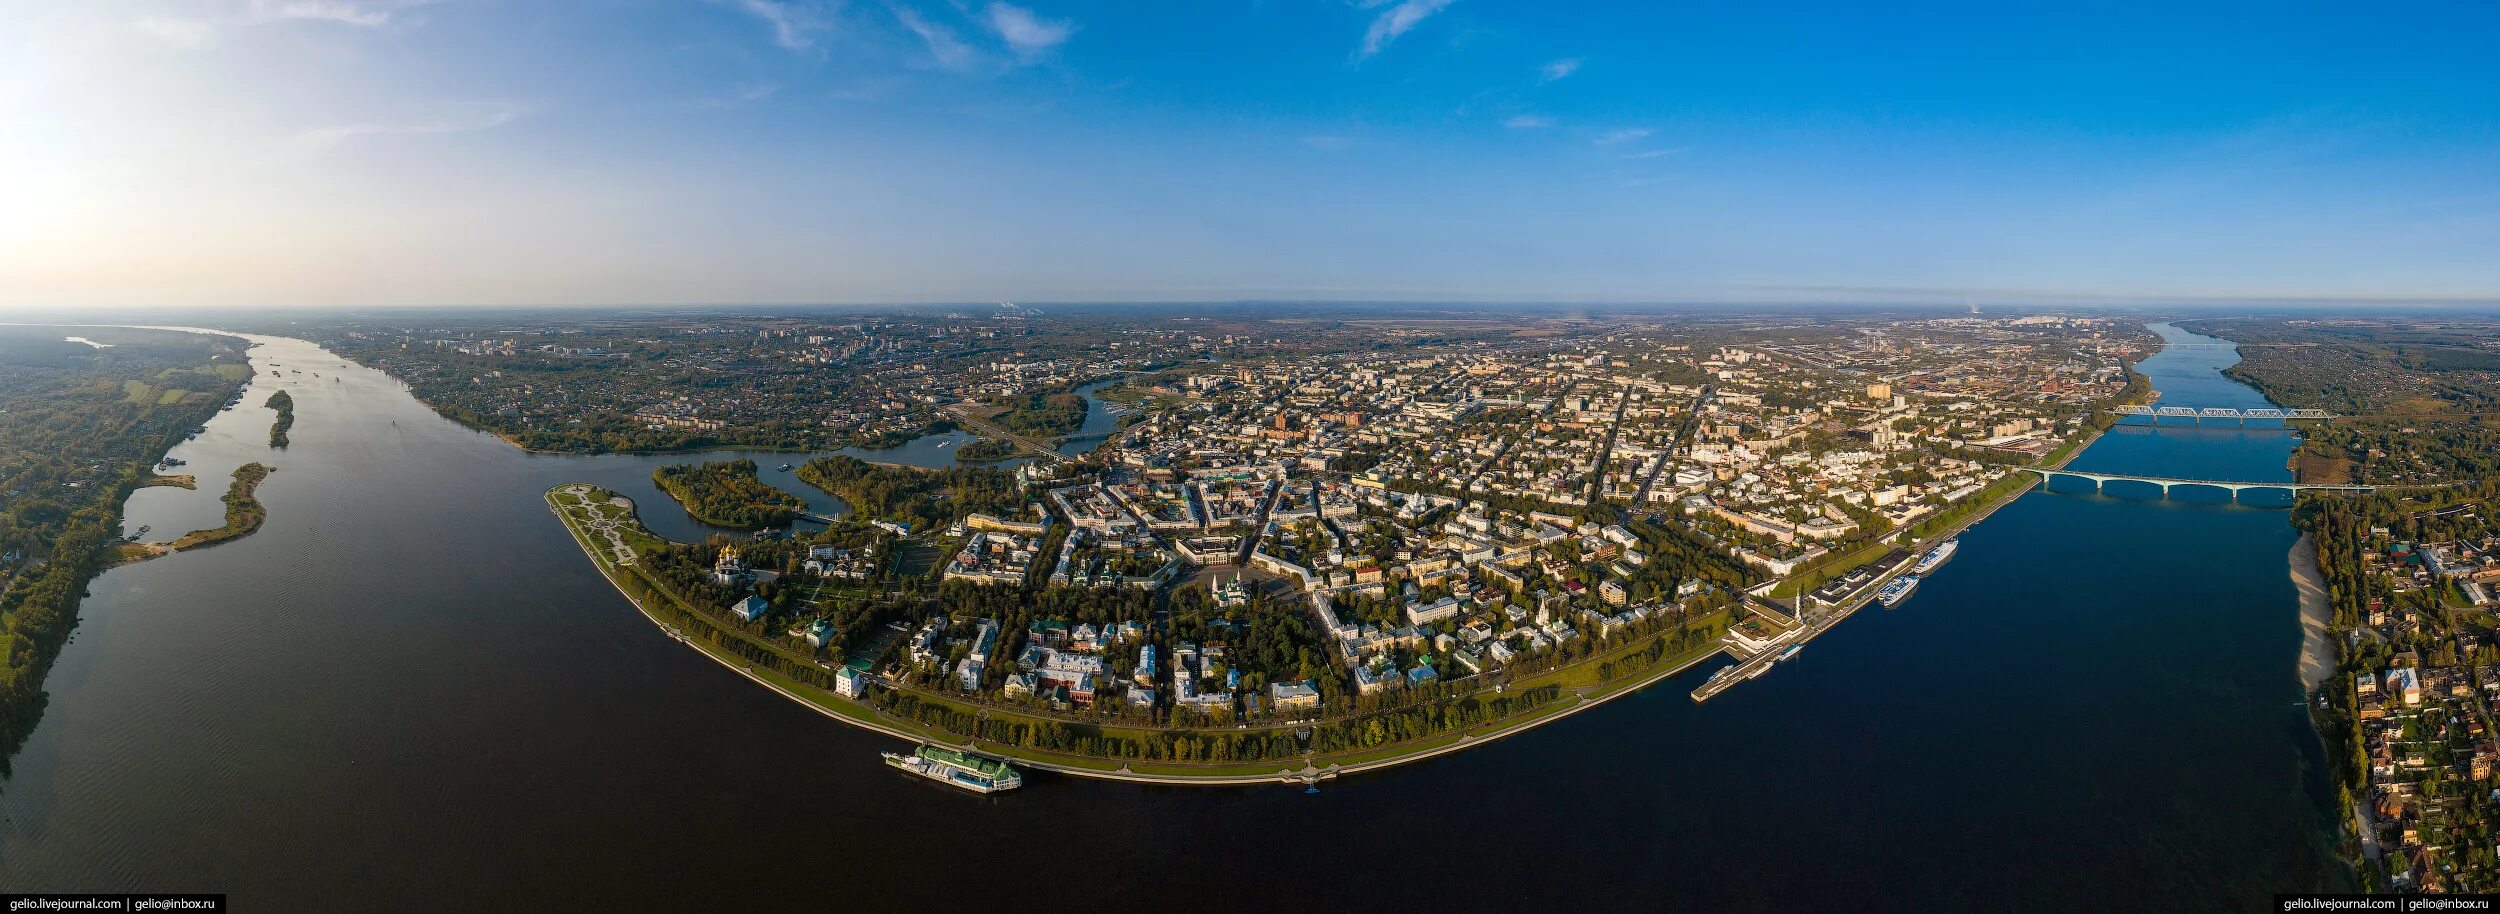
{"x": 80, "y": 426}
{"x": 284, "y": 403}
{"x": 726, "y": 493}
{"x": 244, "y": 516}
{"x": 921, "y": 498}
{"x": 986, "y": 450}
{"x": 1049, "y": 413}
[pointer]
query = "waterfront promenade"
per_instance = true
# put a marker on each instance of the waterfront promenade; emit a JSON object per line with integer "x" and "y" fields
{"x": 1814, "y": 623}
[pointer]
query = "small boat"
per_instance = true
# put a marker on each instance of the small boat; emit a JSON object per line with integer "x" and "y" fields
{"x": 1791, "y": 651}
{"x": 957, "y": 768}
{"x": 785, "y": 468}
{"x": 1897, "y": 590}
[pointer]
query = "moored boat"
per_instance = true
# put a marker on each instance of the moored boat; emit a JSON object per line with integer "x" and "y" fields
{"x": 1897, "y": 590}
{"x": 1937, "y": 556}
{"x": 957, "y": 768}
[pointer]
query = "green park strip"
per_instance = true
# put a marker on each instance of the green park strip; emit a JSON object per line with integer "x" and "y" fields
{"x": 607, "y": 529}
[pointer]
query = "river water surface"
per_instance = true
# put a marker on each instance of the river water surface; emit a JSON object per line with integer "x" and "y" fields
{"x": 410, "y": 691}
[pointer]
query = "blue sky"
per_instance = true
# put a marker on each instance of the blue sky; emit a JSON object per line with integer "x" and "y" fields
{"x": 381, "y": 152}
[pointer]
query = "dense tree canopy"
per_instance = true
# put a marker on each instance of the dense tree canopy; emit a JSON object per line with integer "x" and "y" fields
{"x": 726, "y": 493}
{"x": 921, "y": 498}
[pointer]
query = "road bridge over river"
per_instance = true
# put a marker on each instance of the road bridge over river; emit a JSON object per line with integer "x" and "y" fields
{"x": 964, "y": 415}
{"x": 2165, "y": 482}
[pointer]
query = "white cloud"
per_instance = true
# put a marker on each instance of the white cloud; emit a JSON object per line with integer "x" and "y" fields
{"x": 1529, "y": 122}
{"x": 332, "y": 11}
{"x": 1028, "y": 35}
{"x": 1626, "y": 135}
{"x": 1398, "y": 20}
{"x": 181, "y": 33}
{"x": 1561, "y": 68}
{"x": 479, "y": 116}
{"x": 793, "y": 28}
{"x": 1653, "y": 153}
{"x": 743, "y": 94}
{"x": 948, "y": 51}
{"x": 192, "y": 33}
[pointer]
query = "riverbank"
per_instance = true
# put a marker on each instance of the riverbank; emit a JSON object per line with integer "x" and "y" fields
{"x": 2317, "y": 643}
{"x": 605, "y": 530}
{"x": 1955, "y": 519}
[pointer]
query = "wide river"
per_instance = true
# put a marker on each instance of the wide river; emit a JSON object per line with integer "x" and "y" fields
{"x": 410, "y": 691}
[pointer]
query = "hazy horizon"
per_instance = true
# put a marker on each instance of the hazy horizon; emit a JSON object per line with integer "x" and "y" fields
{"x": 268, "y": 317}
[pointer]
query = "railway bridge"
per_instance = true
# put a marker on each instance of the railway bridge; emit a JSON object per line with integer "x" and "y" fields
{"x": 2241, "y": 416}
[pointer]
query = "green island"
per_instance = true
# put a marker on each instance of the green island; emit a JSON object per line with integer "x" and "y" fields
{"x": 284, "y": 403}
{"x": 1053, "y": 412}
{"x": 915, "y": 496}
{"x": 81, "y": 426}
{"x": 830, "y": 665}
{"x": 986, "y": 450}
{"x": 244, "y": 515}
{"x": 726, "y": 493}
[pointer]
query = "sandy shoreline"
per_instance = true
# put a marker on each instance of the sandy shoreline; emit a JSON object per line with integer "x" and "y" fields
{"x": 2317, "y": 643}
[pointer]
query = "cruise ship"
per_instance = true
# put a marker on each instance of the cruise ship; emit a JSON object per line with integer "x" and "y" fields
{"x": 1937, "y": 556}
{"x": 976, "y": 773}
{"x": 1897, "y": 590}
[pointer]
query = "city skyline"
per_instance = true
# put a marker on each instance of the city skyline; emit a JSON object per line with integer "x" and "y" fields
{"x": 398, "y": 153}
